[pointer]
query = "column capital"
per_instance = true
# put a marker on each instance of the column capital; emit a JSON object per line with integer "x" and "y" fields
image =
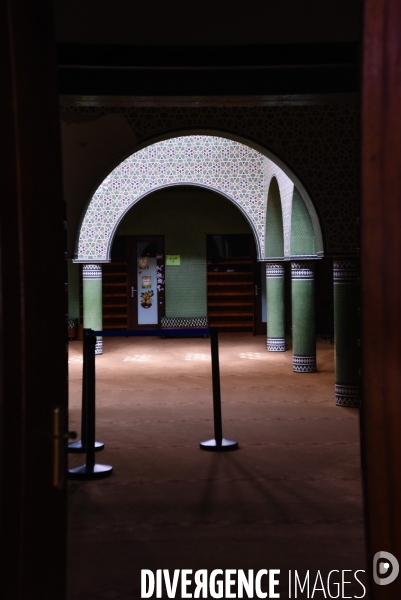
{"x": 274, "y": 269}
{"x": 91, "y": 271}
{"x": 345, "y": 270}
{"x": 302, "y": 270}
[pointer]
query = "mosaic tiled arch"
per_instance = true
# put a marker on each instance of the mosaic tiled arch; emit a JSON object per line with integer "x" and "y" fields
{"x": 232, "y": 168}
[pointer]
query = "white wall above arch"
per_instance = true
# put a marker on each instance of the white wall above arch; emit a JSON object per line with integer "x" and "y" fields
{"x": 237, "y": 171}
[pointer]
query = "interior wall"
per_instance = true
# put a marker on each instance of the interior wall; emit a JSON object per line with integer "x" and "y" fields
{"x": 184, "y": 215}
{"x": 91, "y": 147}
{"x": 316, "y": 138}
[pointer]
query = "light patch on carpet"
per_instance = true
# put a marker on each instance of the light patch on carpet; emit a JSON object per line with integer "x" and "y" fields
{"x": 137, "y": 358}
{"x": 195, "y": 357}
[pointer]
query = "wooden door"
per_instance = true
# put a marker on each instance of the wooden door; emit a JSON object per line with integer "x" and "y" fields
{"x": 381, "y": 284}
{"x": 145, "y": 293}
{"x": 133, "y": 296}
{"x": 33, "y": 307}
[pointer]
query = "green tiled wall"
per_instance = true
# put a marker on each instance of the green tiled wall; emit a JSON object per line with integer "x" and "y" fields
{"x": 302, "y": 235}
{"x": 184, "y": 215}
{"x": 274, "y": 244}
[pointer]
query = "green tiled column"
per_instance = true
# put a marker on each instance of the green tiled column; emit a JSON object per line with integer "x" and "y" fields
{"x": 303, "y": 317}
{"x": 92, "y": 301}
{"x": 346, "y": 332}
{"x": 275, "y": 307}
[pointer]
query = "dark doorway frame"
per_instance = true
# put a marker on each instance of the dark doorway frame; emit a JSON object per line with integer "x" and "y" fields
{"x": 33, "y": 311}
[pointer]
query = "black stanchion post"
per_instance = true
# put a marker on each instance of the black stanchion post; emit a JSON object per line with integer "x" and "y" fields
{"x": 218, "y": 443}
{"x": 91, "y": 399}
{"x": 90, "y": 470}
{"x": 79, "y": 447}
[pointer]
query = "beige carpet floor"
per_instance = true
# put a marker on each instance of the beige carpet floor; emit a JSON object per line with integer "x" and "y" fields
{"x": 290, "y": 498}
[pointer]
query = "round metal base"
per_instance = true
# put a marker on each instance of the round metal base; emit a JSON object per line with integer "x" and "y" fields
{"x": 213, "y": 446}
{"x": 95, "y": 472}
{"x": 77, "y": 448}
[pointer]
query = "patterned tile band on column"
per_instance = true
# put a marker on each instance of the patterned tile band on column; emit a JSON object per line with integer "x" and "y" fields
{"x": 92, "y": 272}
{"x": 276, "y": 344}
{"x": 302, "y": 270}
{"x": 274, "y": 270}
{"x": 347, "y": 395}
{"x": 303, "y": 364}
{"x": 184, "y": 322}
{"x": 345, "y": 271}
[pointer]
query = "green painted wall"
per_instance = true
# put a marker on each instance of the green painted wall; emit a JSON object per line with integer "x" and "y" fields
{"x": 184, "y": 215}
{"x": 302, "y": 234}
{"x": 274, "y": 245}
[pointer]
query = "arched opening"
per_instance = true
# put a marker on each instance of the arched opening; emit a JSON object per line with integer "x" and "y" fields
{"x": 204, "y": 268}
{"x": 274, "y": 244}
{"x": 234, "y": 169}
{"x": 249, "y": 178}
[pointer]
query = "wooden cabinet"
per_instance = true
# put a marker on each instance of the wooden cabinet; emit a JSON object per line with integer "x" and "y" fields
{"x": 230, "y": 294}
{"x": 115, "y": 295}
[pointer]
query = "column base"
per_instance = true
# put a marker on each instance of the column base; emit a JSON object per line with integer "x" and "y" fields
{"x": 99, "y": 347}
{"x": 303, "y": 364}
{"x": 347, "y": 395}
{"x": 276, "y": 344}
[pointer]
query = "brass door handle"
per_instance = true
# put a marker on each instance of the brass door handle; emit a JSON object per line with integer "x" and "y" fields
{"x": 59, "y": 448}
{"x": 133, "y": 291}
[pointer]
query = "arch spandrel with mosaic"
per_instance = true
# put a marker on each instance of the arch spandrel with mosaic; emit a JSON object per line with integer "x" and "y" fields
{"x": 240, "y": 173}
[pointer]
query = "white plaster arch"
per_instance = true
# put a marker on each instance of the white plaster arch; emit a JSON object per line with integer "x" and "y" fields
{"x": 232, "y": 168}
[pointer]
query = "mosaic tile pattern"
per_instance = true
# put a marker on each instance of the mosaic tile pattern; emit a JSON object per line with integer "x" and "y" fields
{"x": 184, "y": 322}
{"x": 303, "y": 364}
{"x": 347, "y": 395}
{"x": 228, "y": 167}
{"x": 318, "y": 142}
{"x": 345, "y": 271}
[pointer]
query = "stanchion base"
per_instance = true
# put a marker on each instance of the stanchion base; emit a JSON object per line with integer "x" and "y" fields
{"x": 224, "y": 446}
{"x": 77, "y": 448}
{"x": 95, "y": 472}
